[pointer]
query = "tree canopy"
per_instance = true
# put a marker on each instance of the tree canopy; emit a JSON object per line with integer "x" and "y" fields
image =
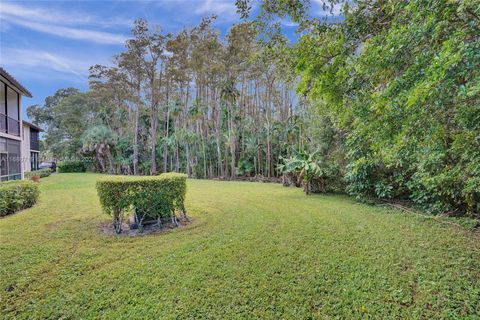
{"x": 383, "y": 99}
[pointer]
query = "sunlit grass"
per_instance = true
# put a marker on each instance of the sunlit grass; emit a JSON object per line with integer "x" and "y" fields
{"x": 253, "y": 250}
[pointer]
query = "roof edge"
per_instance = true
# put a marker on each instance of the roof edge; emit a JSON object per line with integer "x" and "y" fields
{"x": 34, "y": 126}
{"x": 15, "y": 83}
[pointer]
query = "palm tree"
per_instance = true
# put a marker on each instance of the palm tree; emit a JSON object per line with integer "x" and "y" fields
{"x": 307, "y": 170}
{"x": 98, "y": 139}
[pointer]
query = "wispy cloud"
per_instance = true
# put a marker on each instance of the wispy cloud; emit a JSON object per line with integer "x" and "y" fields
{"x": 220, "y": 7}
{"x": 22, "y": 59}
{"x": 74, "y": 33}
{"x": 62, "y": 17}
{"x": 189, "y": 12}
{"x": 58, "y": 23}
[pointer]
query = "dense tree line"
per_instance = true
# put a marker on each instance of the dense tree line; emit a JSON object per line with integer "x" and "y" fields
{"x": 190, "y": 102}
{"x": 401, "y": 81}
{"x": 382, "y": 103}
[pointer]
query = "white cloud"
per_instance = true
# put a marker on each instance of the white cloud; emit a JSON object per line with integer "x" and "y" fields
{"x": 57, "y": 23}
{"x": 190, "y": 11}
{"x": 59, "y": 17}
{"x": 74, "y": 33}
{"x": 28, "y": 60}
{"x": 220, "y": 7}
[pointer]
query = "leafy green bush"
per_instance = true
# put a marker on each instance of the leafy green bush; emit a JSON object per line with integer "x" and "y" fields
{"x": 42, "y": 173}
{"x": 72, "y": 166}
{"x": 315, "y": 174}
{"x": 152, "y": 196}
{"x": 406, "y": 105}
{"x": 17, "y": 195}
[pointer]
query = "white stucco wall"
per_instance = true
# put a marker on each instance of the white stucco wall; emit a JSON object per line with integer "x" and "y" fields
{"x": 25, "y": 148}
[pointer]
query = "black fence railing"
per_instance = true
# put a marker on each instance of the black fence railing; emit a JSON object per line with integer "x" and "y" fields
{"x": 34, "y": 142}
{"x": 9, "y": 125}
{"x": 13, "y": 126}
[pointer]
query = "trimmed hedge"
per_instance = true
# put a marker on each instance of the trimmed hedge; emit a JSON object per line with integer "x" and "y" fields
{"x": 17, "y": 195}
{"x": 152, "y": 197}
{"x": 42, "y": 173}
{"x": 72, "y": 166}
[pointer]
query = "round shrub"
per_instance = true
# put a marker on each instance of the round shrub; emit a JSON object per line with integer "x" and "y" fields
{"x": 152, "y": 197}
{"x": 17, "y": 195}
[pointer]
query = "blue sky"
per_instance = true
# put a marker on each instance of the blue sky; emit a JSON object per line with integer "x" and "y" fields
{"x": 48, "y": 45}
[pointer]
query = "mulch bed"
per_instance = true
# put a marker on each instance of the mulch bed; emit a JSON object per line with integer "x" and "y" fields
{"x": 153, "y": 228}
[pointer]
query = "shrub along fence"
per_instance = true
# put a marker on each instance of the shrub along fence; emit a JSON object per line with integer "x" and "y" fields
{"x": 152, "y": 197}
{"x": 17, "y": 195}
{"x": 42, "y": 173}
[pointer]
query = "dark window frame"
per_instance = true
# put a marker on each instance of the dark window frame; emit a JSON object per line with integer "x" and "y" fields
{"x": 6, "y": 114}
{"x": 34, "y": 139}
{"x": 34, "y": 160}
{"x": 13, "y": 159}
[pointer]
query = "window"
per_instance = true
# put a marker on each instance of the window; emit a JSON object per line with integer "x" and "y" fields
{"x": 3, "y": 166}
{"x": 33, "y": 161}
{"x": 14, "y": 159}
{"x": 34, "y": 140}
{"x": 9, "y": 110}
{"x": 3, "y": 145}
{"x": 10, "y": 160}
{"x": 12, "y": 104}
{"x": 3, "y": 106}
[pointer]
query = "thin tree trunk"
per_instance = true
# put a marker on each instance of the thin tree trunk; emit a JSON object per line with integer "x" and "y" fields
{"x": 136, "y": 134}
{"x": 153, "y": 133}
{"x": 165, "y": 151}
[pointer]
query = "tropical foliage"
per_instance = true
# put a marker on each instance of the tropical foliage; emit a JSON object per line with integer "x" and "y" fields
{"x": 387, "y": 101}
{"x": 188, "y": 102}
{"x": 401, "y": 80}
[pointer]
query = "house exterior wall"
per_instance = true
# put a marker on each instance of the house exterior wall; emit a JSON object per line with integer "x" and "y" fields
{"x": 16, "y": 147}
{"x": 26, "y": 159}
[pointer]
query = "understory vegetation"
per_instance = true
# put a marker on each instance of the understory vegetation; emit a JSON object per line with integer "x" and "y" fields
{"x": 42, "y": 173}
{"x": 73, "y": 166}
{"x": 382, "y": 103}
{"x": 253, "y": 250}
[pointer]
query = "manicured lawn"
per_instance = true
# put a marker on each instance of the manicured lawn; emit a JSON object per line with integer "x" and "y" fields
{"x": 254, "y": 250}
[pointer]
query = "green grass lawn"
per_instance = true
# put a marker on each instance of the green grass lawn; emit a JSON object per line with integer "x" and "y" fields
{"x": 253, "y": 251}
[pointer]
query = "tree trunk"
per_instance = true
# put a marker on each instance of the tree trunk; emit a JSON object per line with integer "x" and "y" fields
{"x": 153, "y": 133}
{"x": 232, "y": 146}
{"x": 135, "y": 140}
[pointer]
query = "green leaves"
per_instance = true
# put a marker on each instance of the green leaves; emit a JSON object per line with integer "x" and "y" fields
{"x": 155, "y": 196}
{"x": 72, "y": 166}
{"x": 401, "y": 80}
{"x": 17, "y": 195}
{"x": 42, "y": 173}
{"x": 309, "y": 169}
